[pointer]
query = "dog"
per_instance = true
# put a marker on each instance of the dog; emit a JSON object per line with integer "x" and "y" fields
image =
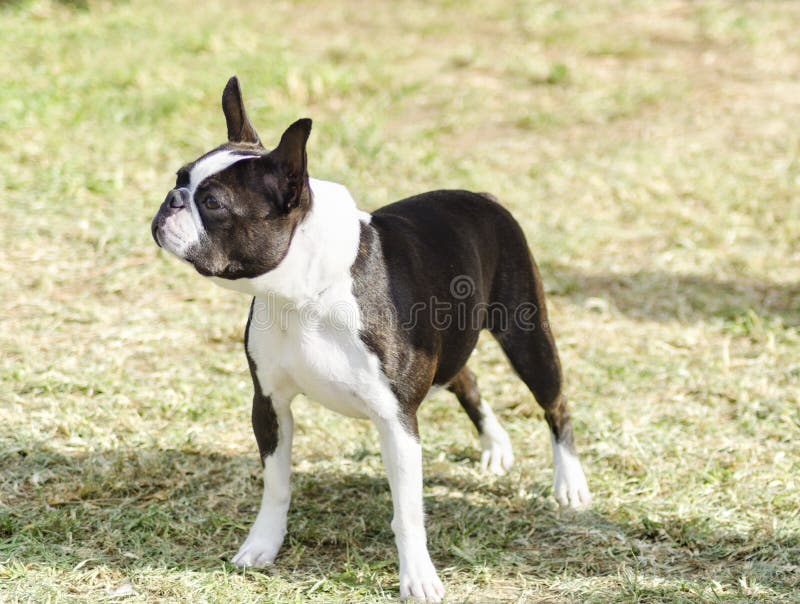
{"x": 365, "y": 313}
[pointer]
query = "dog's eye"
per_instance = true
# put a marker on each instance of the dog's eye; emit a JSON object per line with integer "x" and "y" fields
{"x": 211, "y": 203}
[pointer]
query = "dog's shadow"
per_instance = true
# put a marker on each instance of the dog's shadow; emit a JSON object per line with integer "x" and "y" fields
{"x": 144, "y": 508}
{"x": 664, "y": 296}
{"x": 174, "y": 508}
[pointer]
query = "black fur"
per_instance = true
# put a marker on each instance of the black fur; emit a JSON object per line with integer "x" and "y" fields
{"x": 465, "y": 387}
{"x": 263, "y": 417}
{"x": 240, "y": 130}
{"x": 413, "y": 258}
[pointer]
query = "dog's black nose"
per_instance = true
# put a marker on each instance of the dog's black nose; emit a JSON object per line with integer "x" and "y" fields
{"x": 177, "y": 198}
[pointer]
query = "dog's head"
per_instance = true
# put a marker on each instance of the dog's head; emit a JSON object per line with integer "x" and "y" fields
{"x": 233, "y": 211}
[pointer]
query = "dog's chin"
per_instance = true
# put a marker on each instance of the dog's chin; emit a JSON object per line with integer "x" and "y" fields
{"x": 203, "y": 270}
{"x": 188, "y": 254}
{"x": 205, "y": 264}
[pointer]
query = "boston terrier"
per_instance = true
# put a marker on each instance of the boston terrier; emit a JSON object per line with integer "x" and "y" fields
{"x": 365, "y": 313}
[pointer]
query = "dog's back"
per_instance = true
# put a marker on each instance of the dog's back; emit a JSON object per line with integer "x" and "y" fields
{"x": 455, "y": 262}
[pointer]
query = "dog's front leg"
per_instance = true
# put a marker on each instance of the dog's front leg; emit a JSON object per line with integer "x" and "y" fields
{"x": 402, "y": 456}
{"x": 273, "y": 426}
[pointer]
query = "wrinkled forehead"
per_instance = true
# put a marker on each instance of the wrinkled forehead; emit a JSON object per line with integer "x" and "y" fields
{"x": 191, "y": 175}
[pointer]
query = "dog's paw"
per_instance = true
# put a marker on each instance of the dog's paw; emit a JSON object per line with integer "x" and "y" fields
{"x": 569, "y": 484}
{"x": 418, "y": 580}
{"x": 497, "y": 456}
{"x": 257, "y": 551}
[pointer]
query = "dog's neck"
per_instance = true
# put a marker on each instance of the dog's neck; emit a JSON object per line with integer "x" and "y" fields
{"x": 316, "y": 269}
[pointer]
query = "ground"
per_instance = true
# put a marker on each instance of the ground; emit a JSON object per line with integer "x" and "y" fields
{"x": 650, "y": 150}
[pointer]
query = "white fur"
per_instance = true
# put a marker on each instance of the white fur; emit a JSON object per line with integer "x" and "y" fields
{"x": 269, "y": 529}
{"x": 213, "y": 164}
{"x": 178, "y": 232}
{"x": 497, "y": 455}
{"x": 304, "y": 332}
{"x": 569, "y": 484}
{"x": 402, "y": 456}
{"x": 304, "y": 337}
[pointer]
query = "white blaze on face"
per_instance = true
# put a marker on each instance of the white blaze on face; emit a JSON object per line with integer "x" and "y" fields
{"x": 213, "y": 164}
{"x": 183, "y": 229}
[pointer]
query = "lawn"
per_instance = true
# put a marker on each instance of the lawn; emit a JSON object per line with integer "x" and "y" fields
{"x": 650, "y": 150}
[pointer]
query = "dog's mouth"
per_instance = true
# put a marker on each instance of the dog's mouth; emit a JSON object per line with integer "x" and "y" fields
{"x": 168, "y": 238}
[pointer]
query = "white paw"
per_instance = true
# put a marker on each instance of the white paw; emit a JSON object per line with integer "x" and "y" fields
{"x": 569, "y": 484}
{"x": 497, "y": 456}
{"x": 571, "y": 488}
{"x": 258, "y": 551}
{"x": 418, "y": 580}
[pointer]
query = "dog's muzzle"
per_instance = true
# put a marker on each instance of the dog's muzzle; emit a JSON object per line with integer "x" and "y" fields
{"x": 175, "y": 201}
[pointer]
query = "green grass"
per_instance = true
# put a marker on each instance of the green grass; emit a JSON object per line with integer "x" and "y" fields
{"x": 651, "y": 153}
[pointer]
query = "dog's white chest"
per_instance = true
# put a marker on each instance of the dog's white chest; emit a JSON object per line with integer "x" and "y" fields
{"x": 300, "y": 350}
{"x": 304, "y": 329}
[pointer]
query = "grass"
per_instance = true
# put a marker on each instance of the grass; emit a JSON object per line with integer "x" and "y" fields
{"x": 650, "y": 151}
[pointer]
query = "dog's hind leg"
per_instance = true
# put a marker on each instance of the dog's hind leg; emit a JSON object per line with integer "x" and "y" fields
{"x": 528, "y": 342}
{"x": 497, "y": 455}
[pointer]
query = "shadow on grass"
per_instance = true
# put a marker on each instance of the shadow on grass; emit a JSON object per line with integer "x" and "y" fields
{"x": 686, "y": 298}
{"x": 148, "y": 508}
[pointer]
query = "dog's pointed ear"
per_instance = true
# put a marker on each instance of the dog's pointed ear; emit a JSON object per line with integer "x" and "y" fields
{"x": 291, "y": 155}
{"x": 240, "y": 130}
{"x": 292, "y": 148}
